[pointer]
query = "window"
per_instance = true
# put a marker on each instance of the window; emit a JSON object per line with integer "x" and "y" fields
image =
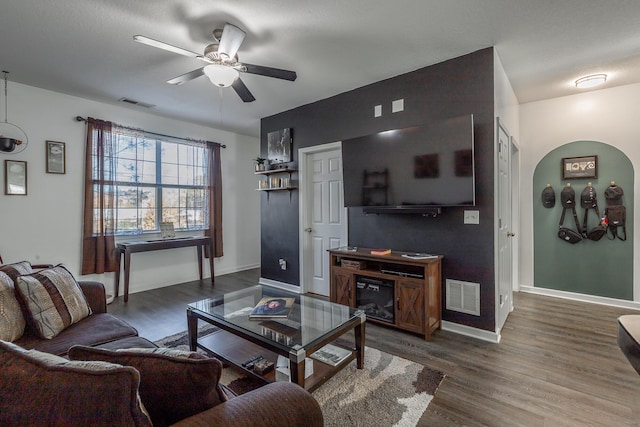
{"x": 154, "y": 180}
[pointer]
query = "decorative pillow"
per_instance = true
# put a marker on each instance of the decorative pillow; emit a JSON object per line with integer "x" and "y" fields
{"x": 12, "y": 321}
{"x": 53, "y": 300}
{"x": 16, "y": 269}
{"x": 44, "y": 389}
{"x": 174, "y": 384}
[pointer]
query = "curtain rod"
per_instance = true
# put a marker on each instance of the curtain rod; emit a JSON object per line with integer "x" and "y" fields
{"x": 82, "y": 119}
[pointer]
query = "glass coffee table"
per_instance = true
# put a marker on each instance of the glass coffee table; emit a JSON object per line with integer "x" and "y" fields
{"x": 311, "y": 325}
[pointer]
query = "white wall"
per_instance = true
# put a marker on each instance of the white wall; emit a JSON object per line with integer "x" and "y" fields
{"x": 611, "y": 116}
{"x": 46, "y": 225}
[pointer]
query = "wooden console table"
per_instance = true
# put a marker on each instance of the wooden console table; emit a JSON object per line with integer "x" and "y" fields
{"x": 128, "y": 248}
{"x": 416, "y": 285}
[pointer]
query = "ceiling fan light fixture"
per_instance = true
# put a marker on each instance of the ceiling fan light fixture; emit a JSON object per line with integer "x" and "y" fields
{"x": 591, "y": 81}
{"x": 221, "y": 75}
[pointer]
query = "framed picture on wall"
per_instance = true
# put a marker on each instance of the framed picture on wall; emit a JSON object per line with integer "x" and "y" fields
{"x": 580, "y": 167}
{"x": 56, "y": 157}
{"x": 15, "y": 178}
{"x": 279, "y": 146}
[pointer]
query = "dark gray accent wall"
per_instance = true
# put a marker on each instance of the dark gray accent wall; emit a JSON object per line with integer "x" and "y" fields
{"x": 452, "y": 88}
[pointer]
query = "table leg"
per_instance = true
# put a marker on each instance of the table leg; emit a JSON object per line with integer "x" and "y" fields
{"x": 211, "y": 246}
{"x": 117, "y": 281}
{"x": 127, "y": 265}
{"x": 199, "y": 249}
{"x": 297, "y": 372}
{"x": 192, "y": 330}
{"x": 359, "y": 333}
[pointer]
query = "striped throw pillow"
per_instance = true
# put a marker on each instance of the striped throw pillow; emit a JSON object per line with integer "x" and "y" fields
{"x": 54, "y": 300}
{"x": 12, "y": 321}
{"x": 16, "y": 269}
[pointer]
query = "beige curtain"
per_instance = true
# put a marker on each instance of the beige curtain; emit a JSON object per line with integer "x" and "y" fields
{"x": 98, "y": 242}
{"x": 215, "y": 199}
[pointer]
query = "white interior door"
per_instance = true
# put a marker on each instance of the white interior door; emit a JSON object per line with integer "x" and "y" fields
{"x": 323, "y": 216}
{"x": 505, "y": 254}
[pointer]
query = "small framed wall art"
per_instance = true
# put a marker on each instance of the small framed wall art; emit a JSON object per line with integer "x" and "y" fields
{"x": 56, "y": 157}
{"x": 15, "y": 178}
{"x": 580, "y": 167}
{"x": 279, "y": 144}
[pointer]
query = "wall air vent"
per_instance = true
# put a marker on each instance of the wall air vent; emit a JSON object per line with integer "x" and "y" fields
{"x": 136, "y": 103}
{"x": 463, "y": 297}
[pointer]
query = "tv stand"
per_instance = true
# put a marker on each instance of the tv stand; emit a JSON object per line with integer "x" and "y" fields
{"x": 417, "y": 285}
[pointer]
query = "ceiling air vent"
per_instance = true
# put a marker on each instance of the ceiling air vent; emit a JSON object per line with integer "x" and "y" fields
{"x": 136, "y": 103}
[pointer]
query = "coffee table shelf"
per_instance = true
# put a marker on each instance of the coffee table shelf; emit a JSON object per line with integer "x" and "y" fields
{"x": 230, "y": 348}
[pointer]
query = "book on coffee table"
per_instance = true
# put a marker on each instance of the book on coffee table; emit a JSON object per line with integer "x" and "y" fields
{"x": 331, "y": 354}
{"x": 272, "y": 307}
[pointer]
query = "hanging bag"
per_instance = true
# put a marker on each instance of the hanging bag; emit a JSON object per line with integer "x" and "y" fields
{"x": 568, "y": 201}
{"x": 588, "y": 200}
{"x": 616, "y": 213}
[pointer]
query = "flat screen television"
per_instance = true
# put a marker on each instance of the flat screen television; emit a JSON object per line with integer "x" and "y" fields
{"x": 412, "y": 169}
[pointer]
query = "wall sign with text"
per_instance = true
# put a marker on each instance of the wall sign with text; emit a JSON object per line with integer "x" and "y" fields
{"x": 580, "y": 167}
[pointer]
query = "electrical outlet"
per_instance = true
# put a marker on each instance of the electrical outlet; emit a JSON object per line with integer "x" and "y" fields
{"x": 283, "y": 263}
{"x": 472, "y": 217}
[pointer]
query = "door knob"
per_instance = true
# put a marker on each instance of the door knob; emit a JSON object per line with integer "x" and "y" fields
{"x": 510, "y": 234}
{"x": 308, "y": 230}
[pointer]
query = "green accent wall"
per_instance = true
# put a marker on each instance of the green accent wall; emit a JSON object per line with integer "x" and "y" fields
{"x": 603, "y": 268}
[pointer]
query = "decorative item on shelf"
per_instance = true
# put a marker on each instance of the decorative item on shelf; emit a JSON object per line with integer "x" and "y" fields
{"x": 260, "y": 164}
{"x": 13, "y": 139}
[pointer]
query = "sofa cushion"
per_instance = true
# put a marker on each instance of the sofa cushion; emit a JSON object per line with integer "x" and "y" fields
{"x": 174, "y": 384}
{"x": 16, "y": 269}
{"x": 44, "y": 389}
{"x": 53, "y": 299}
{"x": 93, "y": 330}
{"x": 12, "y": 321}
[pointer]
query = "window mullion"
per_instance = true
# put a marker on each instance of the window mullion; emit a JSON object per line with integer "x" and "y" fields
{"x": 159, "y": 202}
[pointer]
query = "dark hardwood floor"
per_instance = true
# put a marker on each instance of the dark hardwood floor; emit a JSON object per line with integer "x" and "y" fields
{"x": 558, "y": 363}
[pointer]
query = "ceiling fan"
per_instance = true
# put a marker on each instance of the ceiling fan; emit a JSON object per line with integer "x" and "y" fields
{"x": 223, "y": 65}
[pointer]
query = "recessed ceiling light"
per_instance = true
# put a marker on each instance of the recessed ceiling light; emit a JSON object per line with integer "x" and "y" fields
{"x": 591, "y": 81}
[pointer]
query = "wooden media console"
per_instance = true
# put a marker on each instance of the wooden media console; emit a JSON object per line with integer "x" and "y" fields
{"x": 415, "y": 297}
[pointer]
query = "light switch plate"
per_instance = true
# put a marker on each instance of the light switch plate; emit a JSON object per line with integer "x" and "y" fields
{"x": 472, "y": 217}
{"x": 377, "y": 111}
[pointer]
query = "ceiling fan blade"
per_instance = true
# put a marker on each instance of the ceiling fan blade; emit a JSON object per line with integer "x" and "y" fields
{"x": 270, "y": 72}
{"x": 242, "y": 90}
{"x": 186, "y": 77}
{"x": 165, "y": 46}
{"x": 230, "y": 40}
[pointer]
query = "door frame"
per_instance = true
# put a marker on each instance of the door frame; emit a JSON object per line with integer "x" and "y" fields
{"x": 303, "y": 208}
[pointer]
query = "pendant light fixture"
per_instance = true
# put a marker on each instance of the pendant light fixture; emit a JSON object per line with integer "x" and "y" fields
{"x": 13, "y": 139}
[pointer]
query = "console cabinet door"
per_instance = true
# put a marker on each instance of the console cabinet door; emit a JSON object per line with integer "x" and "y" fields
{"x": 410, "y": 305}
{"x": 342, "y": 288}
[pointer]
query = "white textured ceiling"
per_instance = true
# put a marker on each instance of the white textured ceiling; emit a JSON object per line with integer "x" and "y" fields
{"x": 85, "y": 47}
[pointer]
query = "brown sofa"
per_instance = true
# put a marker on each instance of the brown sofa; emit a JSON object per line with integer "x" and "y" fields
{"x": 41, "y": 387}
{"x": 98, "y": 329}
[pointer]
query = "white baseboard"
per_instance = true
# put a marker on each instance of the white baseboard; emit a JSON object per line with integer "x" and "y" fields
{"x": 280, "y": 285}
{"x": 468, "y": 331}
{"x": 581, "y": 297}
{"x": 235, "y": 269}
